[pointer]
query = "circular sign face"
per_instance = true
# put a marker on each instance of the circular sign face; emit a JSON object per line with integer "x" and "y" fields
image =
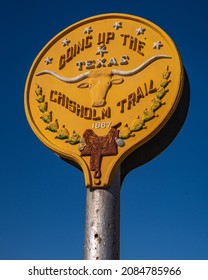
{"x": 102, "y": 88}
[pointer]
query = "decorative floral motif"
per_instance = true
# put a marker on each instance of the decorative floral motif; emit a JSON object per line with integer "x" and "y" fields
{"x": 73, "y": 139}
{"x": 43, "y": 107}
{"x": 137, "y": 124}
{"x": 53, "y": 126}
{"x": 125, "y": 132}
{"x": 62, "y": 133}
{"x": 47, "y": 117}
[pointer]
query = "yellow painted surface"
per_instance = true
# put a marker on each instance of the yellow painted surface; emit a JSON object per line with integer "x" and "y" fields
{"x": 95, "y": 74}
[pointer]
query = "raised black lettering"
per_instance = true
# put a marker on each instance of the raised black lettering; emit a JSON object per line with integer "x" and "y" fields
{"x": 52, "y": 97}
{"x": 121, "y": 105}
{"x": 131, "y": 100}
{"x": 62, "y": 61}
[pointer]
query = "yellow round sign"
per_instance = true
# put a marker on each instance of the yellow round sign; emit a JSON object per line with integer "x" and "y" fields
{"x": 102, "y": 88}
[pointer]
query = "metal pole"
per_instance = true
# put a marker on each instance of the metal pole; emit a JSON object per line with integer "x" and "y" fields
{"x": 102, "y": 225}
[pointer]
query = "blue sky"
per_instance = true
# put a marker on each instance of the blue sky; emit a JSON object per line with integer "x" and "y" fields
{"x": 164, "y": 203}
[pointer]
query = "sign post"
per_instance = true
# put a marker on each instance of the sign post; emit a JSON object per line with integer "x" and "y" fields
{"x": 98, "y": 93}
{"x": 102, "y": 226}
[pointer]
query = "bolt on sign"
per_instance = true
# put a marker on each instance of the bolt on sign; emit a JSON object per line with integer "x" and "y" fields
{"x": 102, "y": 88}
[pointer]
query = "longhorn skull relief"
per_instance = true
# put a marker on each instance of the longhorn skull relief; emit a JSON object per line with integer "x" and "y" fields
{"x": 100, "y": 81}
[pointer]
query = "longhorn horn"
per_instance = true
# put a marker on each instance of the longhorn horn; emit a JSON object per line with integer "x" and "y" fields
{"x": 63, "y": 79}
{"x": 140, "y": 67}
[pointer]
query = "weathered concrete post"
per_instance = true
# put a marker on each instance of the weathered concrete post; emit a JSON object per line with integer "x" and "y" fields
{"x": 102, "y": 226}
